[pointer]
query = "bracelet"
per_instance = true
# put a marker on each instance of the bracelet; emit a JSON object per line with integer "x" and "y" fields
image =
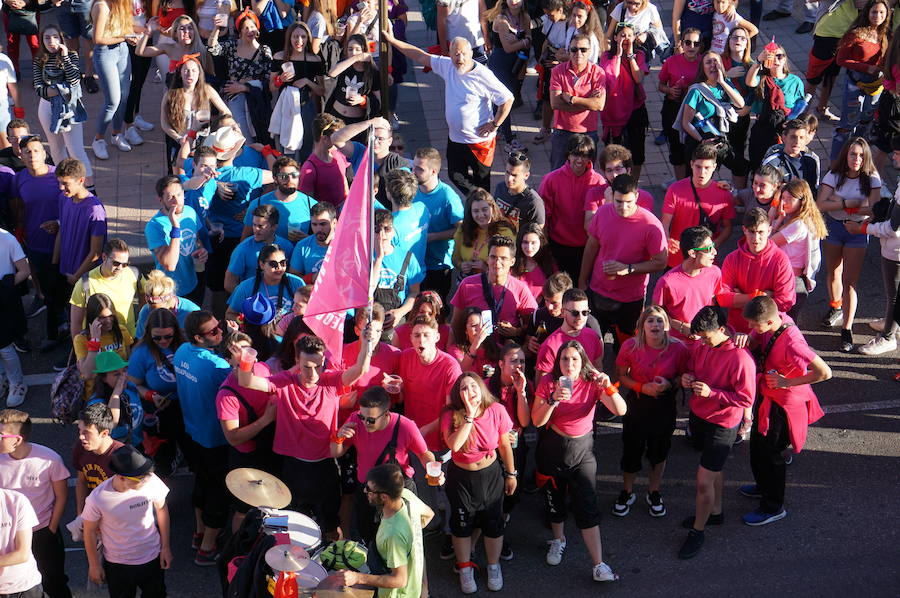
{"x": 148, "y": 396}
{"x": 175, "y": 233}
{"x": 468, "y": 419}
{"x": 510, "y": 474}
{"x": 365, "y": 100}
{"x": 93, "y": 346}
{"x": 611, "y": 389}
{"x": 630, "y": 56}
{"x": 337, "y": 439}
{"x": 278, "y": 81}
{"x": 865, "y": 226}
{"x": 630, "y": 268}
{"x": 551, "y": 402}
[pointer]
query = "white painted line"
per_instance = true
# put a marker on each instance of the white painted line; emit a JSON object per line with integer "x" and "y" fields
{"x": 850, "y": 407}
{"x": 40, "y": 379}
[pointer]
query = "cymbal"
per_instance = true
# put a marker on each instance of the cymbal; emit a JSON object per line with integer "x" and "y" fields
{"x": 287, "y": 557}
{"x": 258, "y": 488}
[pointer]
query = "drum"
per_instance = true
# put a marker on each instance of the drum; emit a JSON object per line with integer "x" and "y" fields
{"x": 300, "y": 529}
{"x": 310, "y": 576}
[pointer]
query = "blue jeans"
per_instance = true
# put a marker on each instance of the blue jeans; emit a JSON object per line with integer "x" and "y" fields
{"x": 10, "y": 365}
{"x": 113, "y": 68}
{"x": 238, "y": 107}
{"x": 857, "y": 114}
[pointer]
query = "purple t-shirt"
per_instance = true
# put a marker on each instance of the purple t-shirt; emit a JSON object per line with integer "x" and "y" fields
{"x": 78, "y": 222}
{"x": 41, "y": 198}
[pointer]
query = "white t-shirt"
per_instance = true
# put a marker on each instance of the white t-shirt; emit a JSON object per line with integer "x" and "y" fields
{"x": 554, "y": 31}
{"x": 368, "y": 30}
{"x": 642, "y": 21}
{"x": 10, "y": 253}
{"x": 463, "y": 21}
{"x": 469, "y": 99}
{"x": 16, "y": 514}
{"x": 797, "y": 247}
{"x": 594, "y": 55}
{"x": 721, "y": 28}
{"x": 316, "y": 23}
{"x": 127, "y": 524}
{"x": 849, "y": 190}
{"x": 33, "y": 476}
{"x": 7, "y": 75}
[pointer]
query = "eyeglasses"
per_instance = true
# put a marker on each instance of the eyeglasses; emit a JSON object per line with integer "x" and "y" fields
{"x": 368, "y": 490}
{"x": 779, "y": 56}
{"x": 377, "y": 138}
{"x": 690, "y": 43}
{"x": 164, "y": 337}
{"x": 276, "y": 264}
{"x": 186, "y": 28}
{"x": 212, "y": 332}
{"x": 370, "y": 420}
{"x": 740, "y": 37}
{"x": 288, "y": 175}
{"x": 574, "y": 49}
{"x": 704, "y": 249}
{"x": 575, "y": 312}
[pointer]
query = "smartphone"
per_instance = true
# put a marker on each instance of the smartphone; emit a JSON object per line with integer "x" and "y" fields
{"x": 487, "y": 320}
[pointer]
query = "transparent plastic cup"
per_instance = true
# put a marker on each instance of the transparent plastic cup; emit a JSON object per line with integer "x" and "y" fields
{"x": 248, "y": 358}
{"x": 433, "y": 472}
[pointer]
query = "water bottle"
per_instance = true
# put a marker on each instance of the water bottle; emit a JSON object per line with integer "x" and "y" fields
{"x": 521, "y": 62}
{"x": 705, "y": 126}
{"x": 800, "y": 107}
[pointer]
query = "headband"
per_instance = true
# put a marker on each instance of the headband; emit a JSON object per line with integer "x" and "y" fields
{"x": 186, "y": 58}
{"x": 244, "y": 15}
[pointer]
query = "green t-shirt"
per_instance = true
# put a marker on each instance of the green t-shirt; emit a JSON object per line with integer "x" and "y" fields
{"x": 704, "y": 107}
{"x": 399, "y": 542}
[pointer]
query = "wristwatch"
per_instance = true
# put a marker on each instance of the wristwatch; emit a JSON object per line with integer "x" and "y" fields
{"x": 571, "y": 100}
{"x": 510, "y": 474}
{"x": 630, "y": 268}
{"x": 630, "y": 56}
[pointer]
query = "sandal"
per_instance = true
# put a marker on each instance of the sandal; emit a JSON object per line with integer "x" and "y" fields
{"x": 827, "y": 114}
{"x": 542, "y": 136}
{"x": 90, "y": 84}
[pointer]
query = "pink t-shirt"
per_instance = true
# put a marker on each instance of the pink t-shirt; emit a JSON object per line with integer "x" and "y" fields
{"x": 403, "y": 336}
{"x": 517, "y": 301}
{"x": 563, "y": 194}
{"x": 16, "y": 514}
{"x": 384, "y": 361}
{"x": 678, "y": 70}
{"x": 628, "y": 240}
{"x": 574, "y": 417}
{"x": 646, "y": 363}
{"x": 680, "y": 202}
{"x": 369, "y": 446}
{"x": 622, "y": 99}
{"x": 426, "y": 388}
{"x": 127, "y": 524}
{"x": 325, "y": 181}
{"x": 481, "y": 358}
{"x": 228, "y": 407}
{"x": 534, "y": 280}
{"x": 590, "y": 340}
{"x": 596, "y": 197}
{"x": 564, "y": 78}
{"x": 306, "y": 416}
{"x": 485, "y": 435}
{"x": 33, "y": 476}
{"x": 682, "y": 295}
{"x": 790, "y": 356}
{"x": 731, "y": 375}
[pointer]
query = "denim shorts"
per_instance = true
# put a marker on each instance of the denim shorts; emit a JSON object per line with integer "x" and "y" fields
{"x": 838, "y": 235}
{"x": 74, "y": 18}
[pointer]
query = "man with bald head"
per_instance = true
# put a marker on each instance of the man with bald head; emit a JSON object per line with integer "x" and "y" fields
{"x": 475, "y": 104}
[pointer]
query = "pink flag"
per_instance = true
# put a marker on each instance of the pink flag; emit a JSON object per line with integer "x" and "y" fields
{"x": 343, "y": 279}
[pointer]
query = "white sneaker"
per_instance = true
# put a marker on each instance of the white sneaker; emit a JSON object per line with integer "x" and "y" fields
{"x": 555, "y": 552}
{"x": 132, "y": 136}
{"x": 119, "y": 142}
{"x": 467, "y": 580}
{"x": 98, "y": 146}
{"x": 142, "y": 124}
{"x": 16, "y": 395}
{"x": 602, "y": 572}
{"x": 495, "y": 578}
{"x": 879, "y": 345}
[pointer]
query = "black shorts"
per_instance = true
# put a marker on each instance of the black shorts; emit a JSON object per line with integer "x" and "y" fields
{"x": 315, "y": 489}
{"x": 569, "y": 471}
{"x": 348, "y": 468}
{"x": 647, "y": 428}
{"x": 713, "y": 440}
{"x": 823, "y": 64}
{"x": 210, "y": 466}
{"x": 476, "y": 500}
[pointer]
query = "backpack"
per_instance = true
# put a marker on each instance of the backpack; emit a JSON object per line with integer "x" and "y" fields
{"x": 67, "y": 391}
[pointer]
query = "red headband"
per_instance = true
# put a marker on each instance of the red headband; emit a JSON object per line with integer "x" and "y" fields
{"x": 184, "y": 60}
{"x": 246, "y": 14}
{"x": 587, "y": 5}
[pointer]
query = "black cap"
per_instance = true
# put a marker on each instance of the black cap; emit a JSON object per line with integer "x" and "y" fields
{"x": 128, "y": 461}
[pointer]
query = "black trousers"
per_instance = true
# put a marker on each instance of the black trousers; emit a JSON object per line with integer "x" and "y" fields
{"x": 568, "y": 259}
{"x": 50, "y": 554}
{"x": 768, "y": 465}
{"x": 123, "y": 581}
{"x": 464, "y": 169}
{"x": 140, "y": 66}
{"x": 616, "y": 317}
{"x": 53, "y": 287}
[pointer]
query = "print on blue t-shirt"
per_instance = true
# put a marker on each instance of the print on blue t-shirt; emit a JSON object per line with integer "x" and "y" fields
{"x": 156, "y": 376}
{"x": 245, "y": 257}
{"x": 245, "y": 289}
{"x": 308, "y": 256}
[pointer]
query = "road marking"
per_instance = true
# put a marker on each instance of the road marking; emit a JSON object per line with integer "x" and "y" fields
{"x": 40, "y": 379}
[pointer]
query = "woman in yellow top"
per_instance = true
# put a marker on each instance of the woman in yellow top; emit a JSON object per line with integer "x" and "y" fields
{"x": 482, "y": 219}
{"x": 104, "y": 333}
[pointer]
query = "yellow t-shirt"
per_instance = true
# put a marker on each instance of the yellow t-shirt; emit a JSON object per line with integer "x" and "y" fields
{"x": 120, "y": 289}
{"x": 479, "y": 249}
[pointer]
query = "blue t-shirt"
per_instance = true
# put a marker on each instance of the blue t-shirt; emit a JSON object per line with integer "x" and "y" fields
{"x": 411, "y": 231}
{"x": 156, "y": 376}
{"x": 199, "y": 199}
{"x": 200, "y": 373}
{"x": 120, "y": 432}
{"x": 157, "y": 233}
{"x": 445, "y": 209}
{"x": 392, "y": 264}
{"x": 290, "y": 214}
{"x": 244, "y": 257}
{"x": 245, "y": 289}
{"x": 308, "y": 255}
{"x": 246, "y": 182}
{"x": 185, "y": 306}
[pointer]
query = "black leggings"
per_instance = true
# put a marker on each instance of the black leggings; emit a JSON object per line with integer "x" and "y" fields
{"x": 140, "y": 66}
{"x": 567, "y": 469}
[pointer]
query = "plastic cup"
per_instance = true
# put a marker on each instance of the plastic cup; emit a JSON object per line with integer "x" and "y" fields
{"x": 394, "y": 384}
{"x": 248, "y": 358}
{"x": 287, "y": 68}
{"x": 199, "y": 265}
{"x": 514, "y": 439}
{"x": 433, "y": 472}
{"x": 565, "y": 382}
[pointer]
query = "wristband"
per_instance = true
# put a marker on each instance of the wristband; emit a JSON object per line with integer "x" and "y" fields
{"x": 365, "y": 100}
{"x": 756, "y": 293}
{"x": 175, "y": 233}
{"x": 148, "y": 396}
{"x": 510, "y": 474}
{"x": 865, "y": 227}
{"x": 611, "y": 389}
{"x": 278, "y": 81}
{"x": 468, "y": 419}
{"x": 192, "y": 134}
{"x": 630, "y": 268}
{"x": 93, "y": 346}
{"x": 19, "y": 112}
{"x": 851, "y": 210}
{"x": 337, "y": 439}
{"x": 775, "y": 202}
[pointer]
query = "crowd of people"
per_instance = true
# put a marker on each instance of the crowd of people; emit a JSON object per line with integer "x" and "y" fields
{"x": 495, "y": 311}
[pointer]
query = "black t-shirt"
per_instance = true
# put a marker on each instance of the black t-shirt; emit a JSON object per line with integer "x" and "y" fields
{"x": 392, "y": 161}
{"x": 520, "y": 208}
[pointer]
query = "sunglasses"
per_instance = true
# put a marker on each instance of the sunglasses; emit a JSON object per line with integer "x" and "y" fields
{"x": 622, "y": 25}
{"x": 575, "y": 312}
{"x": 276, "y": 264}
{"x": 779, "y": 56}
{"x": 518, "y": 157}
{"x": 370, "y": 420}
{"x": 288, "y": 175}
{"x": 116, "y": 264}
{"x": 690, "y": 43}
{"x": 164, "y": 337}
{"x": 704, "y": 249}
{"x": 574, "y": 49}
{"x": 585, "y": 155}
{"x": 212, "y": 332}
{"x": 368, "y": 490}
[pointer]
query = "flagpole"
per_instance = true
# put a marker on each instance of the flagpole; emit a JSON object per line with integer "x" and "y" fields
{"x": 370, "y": 142}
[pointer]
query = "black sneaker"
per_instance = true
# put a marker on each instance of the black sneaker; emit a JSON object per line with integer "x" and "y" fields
{"x": 623, "y": 504}
{"x": 656, "y": 505}
{"x": 692, "y": 545}
{"x": 36, "y": 307}
{"x": 447, "y": 552}
{"x": 688, "y": 523}
{"x": 833, "y": 316}
{"x": 846, "y": 341}
{"x": 22, "y": 345}
{"x": 774, "y": 15}
{"x": 805, "y": 27}
{"x": 506, "y": 552}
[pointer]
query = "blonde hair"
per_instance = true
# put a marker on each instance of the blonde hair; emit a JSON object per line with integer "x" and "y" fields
{"x": 121, "y": 17}
{"x": 158, "y": 284}
{"x": 502, "y": 7}
{"x": 640, "y": 338}
{"x": 808, "y": 213}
